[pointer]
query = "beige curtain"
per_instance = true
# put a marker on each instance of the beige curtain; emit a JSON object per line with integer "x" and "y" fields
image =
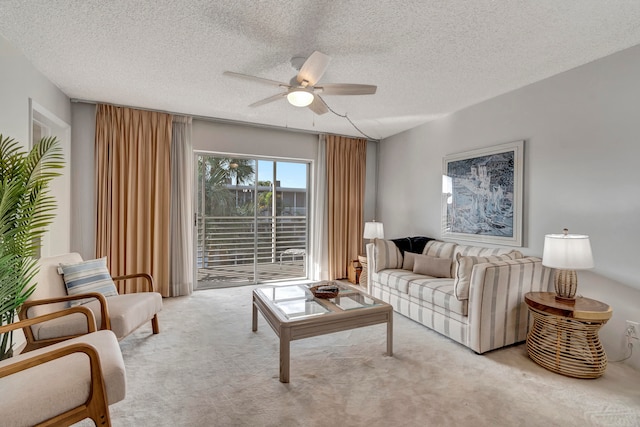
{"x": 133, "y": 190}
{"x": 181, "y": 260}
{"x": 319, "y": 237}
{"x": 346, "y": 167}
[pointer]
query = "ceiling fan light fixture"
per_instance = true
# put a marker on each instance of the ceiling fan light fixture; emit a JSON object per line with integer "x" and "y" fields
{"x": 300, "y": 97}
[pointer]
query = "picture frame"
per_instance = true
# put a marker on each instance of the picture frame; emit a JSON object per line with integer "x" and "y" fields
{"x": 482, "y": 194}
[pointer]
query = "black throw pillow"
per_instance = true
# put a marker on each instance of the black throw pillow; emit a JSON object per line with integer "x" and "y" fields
{"x": 411, "y": 244}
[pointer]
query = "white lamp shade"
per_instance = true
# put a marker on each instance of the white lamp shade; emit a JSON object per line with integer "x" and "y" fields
{"x": 567, "y": 252}
{"x": 300, "y": 97}
{"x": 373, "y": 230}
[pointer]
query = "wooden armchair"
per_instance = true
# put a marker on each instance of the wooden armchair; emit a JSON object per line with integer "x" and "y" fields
{"x": 65, "y": 382}
{"x": 136, "y": 303}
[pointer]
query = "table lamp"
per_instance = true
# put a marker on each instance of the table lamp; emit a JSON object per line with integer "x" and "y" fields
{"x": 373, "y": 230}
{"x": 567, "y": 253}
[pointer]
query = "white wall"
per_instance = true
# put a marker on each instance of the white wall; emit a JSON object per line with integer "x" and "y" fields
{"x": 83, "y": 190}
{"x": 21, "y": 82}
{"x": 582, "y": 149}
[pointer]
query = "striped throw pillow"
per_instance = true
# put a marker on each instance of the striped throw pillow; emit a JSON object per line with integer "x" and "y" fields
{"x": 387, "y": 255}
{"x": 439, "y": 249}
{"x": 88, "y": 276}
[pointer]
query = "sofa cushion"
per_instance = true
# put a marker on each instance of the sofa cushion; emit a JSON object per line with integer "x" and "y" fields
{"x": 464, "y": 267}
{"x": 419, "y": 309}
{"x": 439, "y": 249}
{"x": 438, "y": 292}
{"x": 432, "y": 266}
{"x": 468, "y": 250}
{"x": 387, "y": 255}
{"x": 398, "y": 279}
{"x": 88, "y": 276}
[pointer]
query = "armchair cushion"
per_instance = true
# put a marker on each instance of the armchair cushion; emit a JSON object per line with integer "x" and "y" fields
{"x": 130, "y": 311}
{"x": 126, "y": 312}
{"x": 43, "y": 391}
{"x": 88, "y": 276}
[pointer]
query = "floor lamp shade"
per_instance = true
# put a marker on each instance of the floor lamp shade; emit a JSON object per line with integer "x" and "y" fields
{"x": 373, "y": 230}
{"x": 567, "y": 253}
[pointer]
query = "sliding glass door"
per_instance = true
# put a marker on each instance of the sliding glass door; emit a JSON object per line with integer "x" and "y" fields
{"x": 251, "y": 220}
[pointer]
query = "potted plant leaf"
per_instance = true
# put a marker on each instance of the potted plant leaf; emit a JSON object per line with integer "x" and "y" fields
{"x": 26, "y": 209}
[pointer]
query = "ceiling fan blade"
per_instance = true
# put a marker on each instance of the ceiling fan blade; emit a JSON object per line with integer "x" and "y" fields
{"x": 318, "y": 106}
{"x": 269, "y": 99}
{"x": 313, "y": 68}
{"x": 255, "y": 79}
{"x": 346, "y": 89}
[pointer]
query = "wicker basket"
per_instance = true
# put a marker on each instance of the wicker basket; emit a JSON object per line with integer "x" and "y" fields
{"x": 325, "y": 290}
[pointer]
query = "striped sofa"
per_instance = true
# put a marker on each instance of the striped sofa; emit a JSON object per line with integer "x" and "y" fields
{"x": 471, "y": 294}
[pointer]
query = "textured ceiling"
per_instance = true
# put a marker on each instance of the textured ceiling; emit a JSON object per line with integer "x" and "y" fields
{"x": 428, "y": 58}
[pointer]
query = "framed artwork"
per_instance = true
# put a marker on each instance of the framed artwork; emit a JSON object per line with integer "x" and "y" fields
{"x": 482, "y": 195}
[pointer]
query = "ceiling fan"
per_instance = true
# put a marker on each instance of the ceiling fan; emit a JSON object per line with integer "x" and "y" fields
{"x": 302, "y": 91}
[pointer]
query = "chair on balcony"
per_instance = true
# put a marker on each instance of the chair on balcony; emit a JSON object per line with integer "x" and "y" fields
{"x": 65, "y": 382}
{"x": 293, "y": 253}
{"x": 122, "y": 311}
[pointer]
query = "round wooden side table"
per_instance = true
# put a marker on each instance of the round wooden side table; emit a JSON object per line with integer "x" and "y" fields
{"x": 564, "y": 337}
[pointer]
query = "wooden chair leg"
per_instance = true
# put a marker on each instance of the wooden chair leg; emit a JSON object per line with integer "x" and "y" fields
{"x": 154, "y": 324}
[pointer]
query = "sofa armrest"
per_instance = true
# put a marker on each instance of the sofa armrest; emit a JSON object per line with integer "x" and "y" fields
{"x": 148, "y": 284}
{"x": 371, "y": 264}
{"x": 498, "y": 315}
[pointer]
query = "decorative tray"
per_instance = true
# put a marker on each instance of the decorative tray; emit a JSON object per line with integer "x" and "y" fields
{"x": 325, "y": 290}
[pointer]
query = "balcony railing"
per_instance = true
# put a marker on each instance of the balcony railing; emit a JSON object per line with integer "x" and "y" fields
{"x": 241, "y": 250}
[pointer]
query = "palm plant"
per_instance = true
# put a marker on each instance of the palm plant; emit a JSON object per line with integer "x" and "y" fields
{"x": 216, "y": 174}
{"x": 26, "y": 209}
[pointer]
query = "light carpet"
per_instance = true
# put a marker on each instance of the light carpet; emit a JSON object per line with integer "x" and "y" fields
{"x": 207, "y": 368}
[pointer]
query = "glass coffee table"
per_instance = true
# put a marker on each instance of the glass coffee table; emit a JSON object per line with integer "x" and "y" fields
{"x": 294, "y": 313}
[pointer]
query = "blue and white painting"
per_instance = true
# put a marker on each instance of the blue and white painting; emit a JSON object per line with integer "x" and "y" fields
{"x": 481, "y": 194}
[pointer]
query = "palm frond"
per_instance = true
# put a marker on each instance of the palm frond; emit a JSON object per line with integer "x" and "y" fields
{"x": 26, "y": 210}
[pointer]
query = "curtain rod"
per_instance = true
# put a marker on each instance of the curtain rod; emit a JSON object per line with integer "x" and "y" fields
{"x": 216, "y": 119}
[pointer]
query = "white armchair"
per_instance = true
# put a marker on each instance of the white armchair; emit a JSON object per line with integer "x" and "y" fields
{"x": 65, "y": 382}
{"x": 122, "y": 313}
